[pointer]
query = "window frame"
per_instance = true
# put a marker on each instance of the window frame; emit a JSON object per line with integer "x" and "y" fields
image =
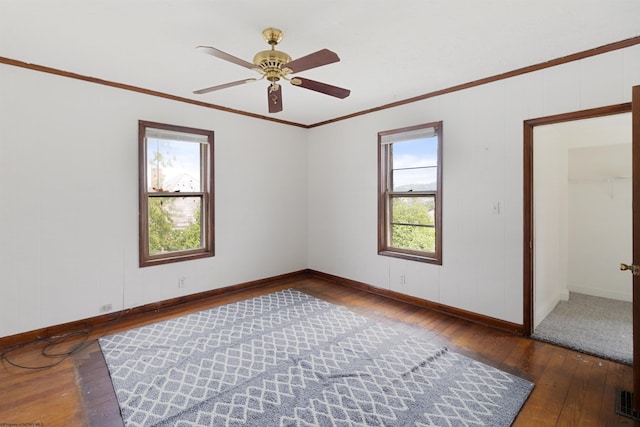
{"x": 206, "y": 194}
{"x": 386, "y": 195}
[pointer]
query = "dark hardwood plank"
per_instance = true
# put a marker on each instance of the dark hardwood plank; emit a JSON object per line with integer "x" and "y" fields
{"x": 619, "y": 376}
{"x": 548, "y": 397}
{"x": 571, "y": 388}
{"x": 585, "y": 392}
{"x": 98, "y": 397}
{"x": 534, "y": 411}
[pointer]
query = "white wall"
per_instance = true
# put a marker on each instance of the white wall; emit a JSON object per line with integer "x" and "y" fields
{"x": 551, "y": 217}
{"x": 600, "y": 208}
{"x": 483, "y": 127}
{"x": 68, "y": 200}
{"x": 600, "y": 239}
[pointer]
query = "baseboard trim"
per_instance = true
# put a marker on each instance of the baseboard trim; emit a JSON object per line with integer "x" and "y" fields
{"x": 543, "y": 309}
{"x": 94, "y": 322}
{"x": 602, "y": 293}
{"x": 441, "y": 308}
{"x": 97, "y": 321}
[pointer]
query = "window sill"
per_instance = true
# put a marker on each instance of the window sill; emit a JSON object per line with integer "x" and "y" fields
{"x": 412, "y": 256}
{"x": 174, "y": 258}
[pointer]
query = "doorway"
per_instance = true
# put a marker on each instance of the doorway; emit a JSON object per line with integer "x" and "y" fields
{"x": 578, "y": 213}
{"x": 582, "y": 226}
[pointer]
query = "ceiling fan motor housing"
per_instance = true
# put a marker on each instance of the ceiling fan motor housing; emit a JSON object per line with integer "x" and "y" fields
{"x": 271, "y": 62}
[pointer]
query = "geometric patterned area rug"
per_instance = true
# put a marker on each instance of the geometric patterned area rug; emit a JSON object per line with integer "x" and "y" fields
{"x": 289, "y": 359}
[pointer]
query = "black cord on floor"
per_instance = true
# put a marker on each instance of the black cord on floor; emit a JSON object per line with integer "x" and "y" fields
{"x": 51, "y": 343}
{"x": 59, "y": 339}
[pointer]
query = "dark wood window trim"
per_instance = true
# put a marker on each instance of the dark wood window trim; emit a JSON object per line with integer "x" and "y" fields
{"x": 385, "y": 196}
{"x": 206, "y": 196}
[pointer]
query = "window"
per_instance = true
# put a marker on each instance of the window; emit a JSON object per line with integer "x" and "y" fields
{"x": 410, "y": 193}
{"x": 176, "y": 193}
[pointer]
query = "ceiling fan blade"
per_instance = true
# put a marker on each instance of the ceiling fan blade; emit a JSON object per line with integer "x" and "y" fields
{"x": 327, "y": 89}
{"x": 227, "y": 57}
{"x": 223, "y": 86}
{"x": 313, "y": 60}
{"x": 274, "y": 97}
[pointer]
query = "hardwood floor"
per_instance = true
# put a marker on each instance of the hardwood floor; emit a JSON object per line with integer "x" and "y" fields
{"x": 571, "y": 389}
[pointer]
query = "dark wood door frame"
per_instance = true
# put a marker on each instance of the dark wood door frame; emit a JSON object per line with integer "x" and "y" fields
{"x": 635, "y": 155}
{"x": 528, "y": 242}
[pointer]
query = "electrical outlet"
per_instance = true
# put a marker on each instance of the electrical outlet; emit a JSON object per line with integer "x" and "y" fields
{"x": 106, "y": 307}
{"x": 182, "y": 281}
{"x": 403, "y": 279}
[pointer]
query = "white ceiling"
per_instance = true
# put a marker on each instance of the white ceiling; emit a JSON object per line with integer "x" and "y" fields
{"x": 389, "y": 50}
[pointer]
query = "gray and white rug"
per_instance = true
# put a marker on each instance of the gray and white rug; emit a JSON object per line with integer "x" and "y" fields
{"x": 599, "y": 326}
{"x": 289, "y": 359}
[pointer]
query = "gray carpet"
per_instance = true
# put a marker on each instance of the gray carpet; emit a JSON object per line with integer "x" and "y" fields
{"x": 593, "y": 325}
{"x": 289, "y": 359}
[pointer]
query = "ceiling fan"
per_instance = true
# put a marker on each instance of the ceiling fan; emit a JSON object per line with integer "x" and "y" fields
{"x": 275, "y": 65}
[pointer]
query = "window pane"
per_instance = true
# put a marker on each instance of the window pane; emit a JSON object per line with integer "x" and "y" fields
{"x": 413, "y": 237}
{"x": 174, "y": 224}
{"x": 173, "y": 165}
{"x": 413, "y": 210}
{"x": 415, "y": 153}
{"x": 421, "y": 179}
{"x": 414, "y": 164}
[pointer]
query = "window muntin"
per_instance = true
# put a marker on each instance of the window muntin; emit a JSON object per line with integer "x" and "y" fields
{"x": 410, "y": 193}
{"x": 176, "y": 193}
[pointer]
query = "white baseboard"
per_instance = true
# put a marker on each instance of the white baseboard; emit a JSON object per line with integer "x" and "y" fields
{"x": 603, "y": 293}
{"x": 543, "y": 310}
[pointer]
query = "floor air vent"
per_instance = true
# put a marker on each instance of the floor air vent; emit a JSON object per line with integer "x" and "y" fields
{"x": 624, "y": 404}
